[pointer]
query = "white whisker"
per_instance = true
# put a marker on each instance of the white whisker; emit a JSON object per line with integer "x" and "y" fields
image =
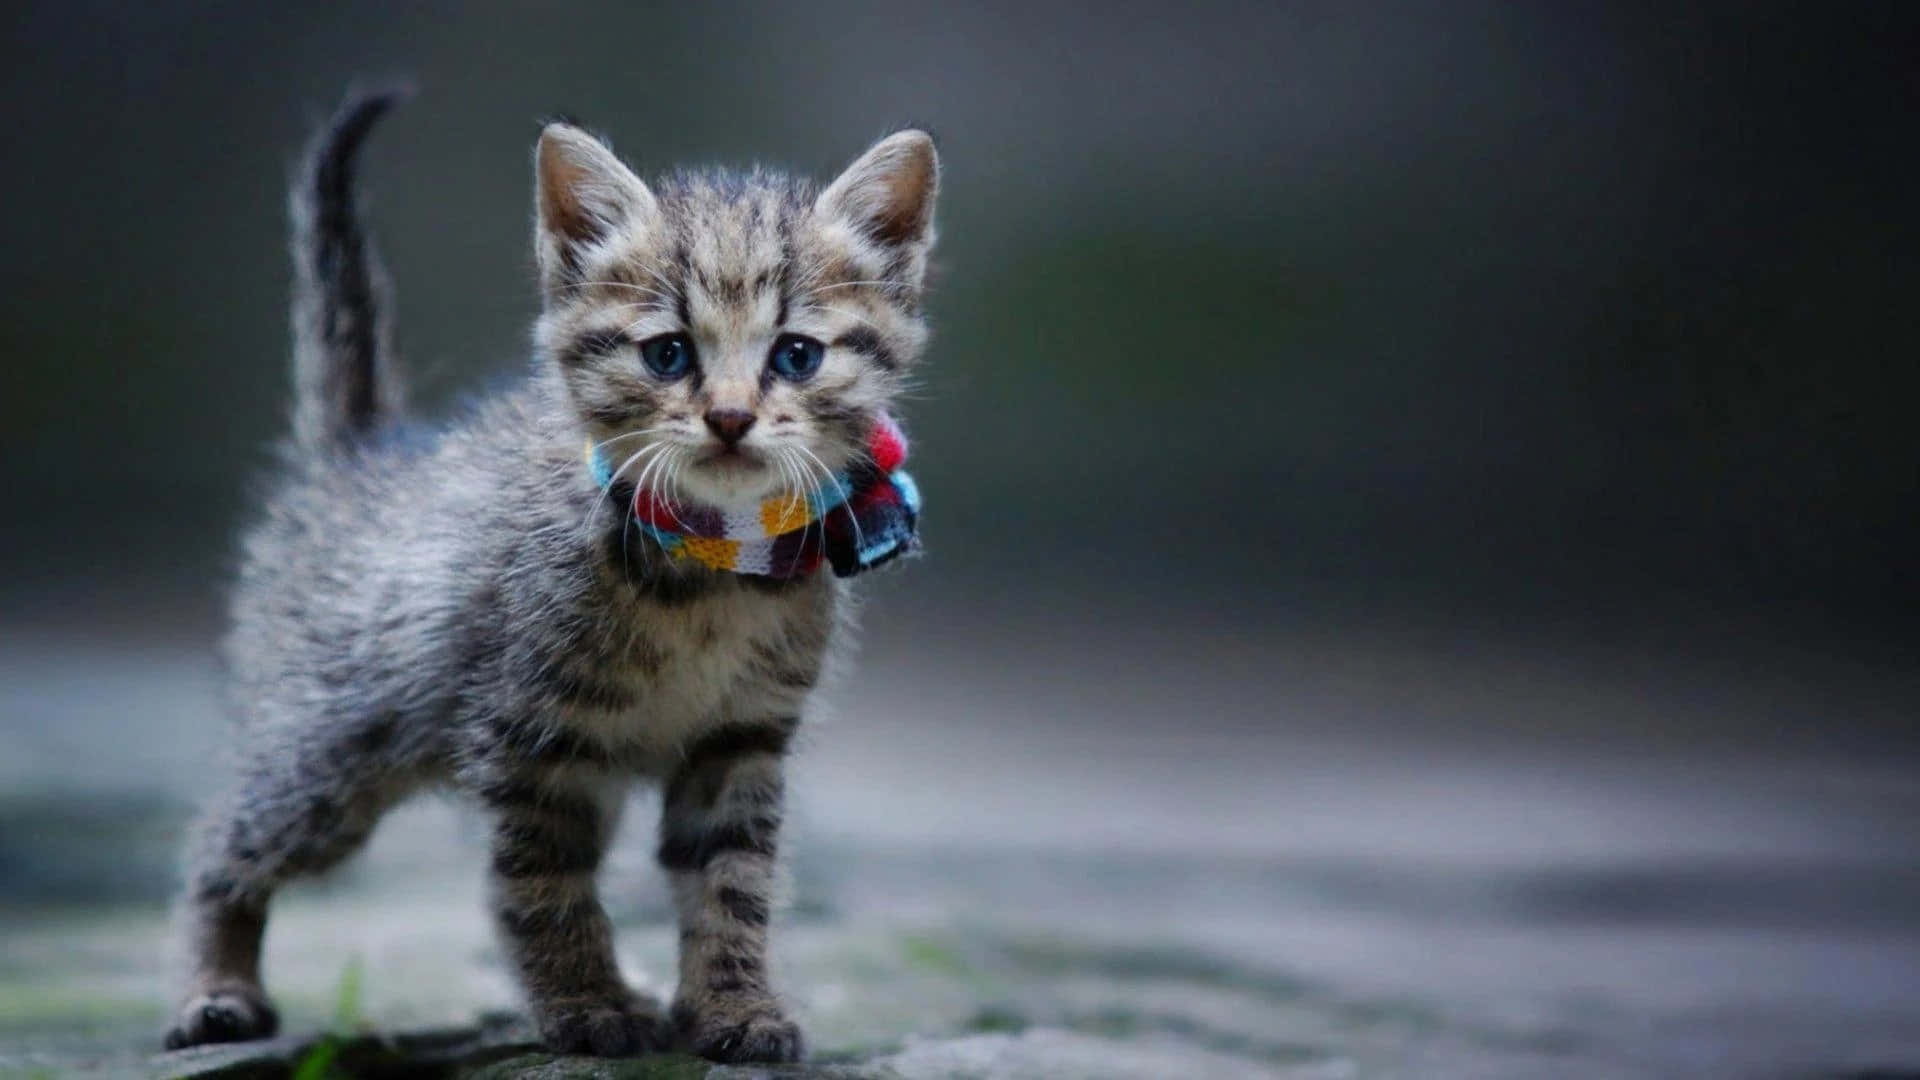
{"x": 644, "y": 483}
{"x": 612, "y": 284}
{"x": 672, "y": 484}
{"x": 671, "y": 285}
{"x": 846, "y": 498}
{"x": 792, "y": 478}
{"x": 851, "y": 284}
{"x": 790, "y": 463}
{"x": 626, "y": 519}
{"x": 673, "y": 462}
{"x": 854, "y": 315}
{"x": 628, "y": 435}
{"x": 606, "y": 489}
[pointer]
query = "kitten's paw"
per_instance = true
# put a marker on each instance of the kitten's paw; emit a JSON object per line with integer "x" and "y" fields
{"x": 750, "y": 1031}
{"x": 231, "y": 1013}
{"x": 619, "y": 1028}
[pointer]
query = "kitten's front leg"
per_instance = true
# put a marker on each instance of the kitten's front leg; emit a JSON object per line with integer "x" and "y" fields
{"x": 718, "y": 830}
{"x": 547, "y": 844}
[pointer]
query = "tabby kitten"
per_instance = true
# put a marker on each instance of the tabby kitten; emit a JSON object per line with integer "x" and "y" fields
{"x": 494, "y": 610}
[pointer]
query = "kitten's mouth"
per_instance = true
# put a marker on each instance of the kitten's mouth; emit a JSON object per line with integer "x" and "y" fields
{"x": 732, "y": 459}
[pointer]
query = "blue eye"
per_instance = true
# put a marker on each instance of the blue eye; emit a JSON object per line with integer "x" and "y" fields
{"x": 795, "y": 357}
{"x": 669, "y": 356}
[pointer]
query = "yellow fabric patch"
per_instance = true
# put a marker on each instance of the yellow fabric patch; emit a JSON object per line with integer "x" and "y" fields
{"x": 713, "y": 553}
{"x": 784, "y": 514}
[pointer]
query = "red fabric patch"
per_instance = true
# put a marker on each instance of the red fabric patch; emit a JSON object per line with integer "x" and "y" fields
{"x": 877, "y": 495}
{"x": 651, "y": 510}
{"x": 887, "y": 446}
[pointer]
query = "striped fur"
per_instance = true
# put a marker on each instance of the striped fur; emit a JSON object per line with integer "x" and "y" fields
{"x": 342, "y": 337}
{"x": 719, "y": 830}
{"x": 468, "y": 610}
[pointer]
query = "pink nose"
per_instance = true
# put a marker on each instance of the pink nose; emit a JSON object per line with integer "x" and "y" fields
{"x": 729, "y": 425}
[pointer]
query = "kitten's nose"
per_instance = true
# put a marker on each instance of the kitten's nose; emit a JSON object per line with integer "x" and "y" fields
{"x": 729, "y": 425}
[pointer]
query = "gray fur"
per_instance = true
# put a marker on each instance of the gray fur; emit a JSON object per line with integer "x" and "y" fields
{"x": 470, "y": 612}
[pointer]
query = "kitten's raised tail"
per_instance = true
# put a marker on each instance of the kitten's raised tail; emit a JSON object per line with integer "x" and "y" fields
{"x": 345, "y": 384}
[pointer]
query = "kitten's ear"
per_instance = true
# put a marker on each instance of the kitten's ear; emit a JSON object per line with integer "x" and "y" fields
{"x": 583, "y": 195}
{"x": 888, "y": 194}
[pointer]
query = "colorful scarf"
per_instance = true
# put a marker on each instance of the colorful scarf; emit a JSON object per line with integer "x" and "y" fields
{"x": 866, "y": 516}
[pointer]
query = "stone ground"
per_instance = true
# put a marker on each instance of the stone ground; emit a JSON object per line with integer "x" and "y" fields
{"x": 978, "y": 894}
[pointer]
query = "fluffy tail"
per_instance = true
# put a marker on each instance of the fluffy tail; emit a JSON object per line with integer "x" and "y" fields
{"x": 345, "y": 384}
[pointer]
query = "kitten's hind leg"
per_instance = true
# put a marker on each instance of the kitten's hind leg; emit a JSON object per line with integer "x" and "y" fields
{"x": 296, "y": 815}
{"x": 224, "y": 1001}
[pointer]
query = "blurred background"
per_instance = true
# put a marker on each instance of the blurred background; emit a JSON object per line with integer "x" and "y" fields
{"x": 1419, "y": 569}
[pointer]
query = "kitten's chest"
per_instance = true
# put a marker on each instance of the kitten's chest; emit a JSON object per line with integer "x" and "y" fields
{"x": 732, "y": 652}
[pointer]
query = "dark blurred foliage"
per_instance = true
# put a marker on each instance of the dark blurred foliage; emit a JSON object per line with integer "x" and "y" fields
{"x": 1565, "y": 311}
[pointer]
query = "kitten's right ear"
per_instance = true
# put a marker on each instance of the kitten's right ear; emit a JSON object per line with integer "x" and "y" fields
{"x": 583, "y": 196}
{"x": 888, "y": 193}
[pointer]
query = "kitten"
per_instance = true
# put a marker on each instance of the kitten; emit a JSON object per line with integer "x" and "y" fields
{"x": 478, "y": 610}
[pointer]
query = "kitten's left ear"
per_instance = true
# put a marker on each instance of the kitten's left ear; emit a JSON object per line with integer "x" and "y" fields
{"x": 888, "y": 194}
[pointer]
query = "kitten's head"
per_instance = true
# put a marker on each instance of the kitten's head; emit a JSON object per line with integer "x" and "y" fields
{"x": 724, "y": 337}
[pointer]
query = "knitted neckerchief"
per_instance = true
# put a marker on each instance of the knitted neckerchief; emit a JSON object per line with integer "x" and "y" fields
{"x": 866, "y": 516}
